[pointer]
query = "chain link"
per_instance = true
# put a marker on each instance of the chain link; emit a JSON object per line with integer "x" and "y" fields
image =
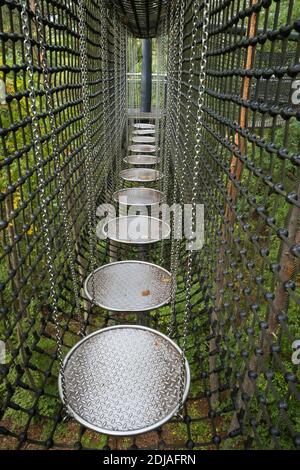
{"x": 67, "y": 226}
{"x": 180, "y": 182}
{"x": 191, "y": 73}
{"x": 116, "y": 98}
{"x": 165, "y": 46}
{"x": 88, "y": 148}
{"x": 105, "y": 97}
{"x": 175, "y": 236}
{"x": 200, "y": 102}
{"x": 38, "y": 151}
{"x": 174, "y": 13}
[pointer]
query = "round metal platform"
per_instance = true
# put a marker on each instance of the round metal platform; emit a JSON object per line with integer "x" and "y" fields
{"x": 140, "y": 175}
{"x": 129, "y": 286}
{"x": 140, "y": 148}
{"x": 136, "y": 229}
{"x": 124, "y": 380}
{"x": 144, "y": 131}
{"x": 141, "y": 159}
{"x": 138, "y": 197}
{"x": 146, "y": 139}
{"x": 143, "y": 125}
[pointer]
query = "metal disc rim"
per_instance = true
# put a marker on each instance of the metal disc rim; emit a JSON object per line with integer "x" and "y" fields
{"x": 156, "y": 175}
{"x": 134, "y": 432}
{"x": 152, "y": 160}
{"x": 143, "y": 125}
{"x": 140, "y": 148}
{"x": 129, "y": 242}
{"x": 144, "y": 132}
{"x": 141, "y": 189}
{"x": 114, "y": 309}
{"x": 140, "y": 139}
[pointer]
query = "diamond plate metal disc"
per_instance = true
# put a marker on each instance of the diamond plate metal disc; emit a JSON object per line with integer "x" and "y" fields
{"x": 136, "y": 229}
{"x": 140, "y": 148}
{"x": 140, "y": 175}
{"x": 143, "y": 139}
{"x": 143, "y": 125}
{"x": 144, "y": 131}
{"x": 129, "y": 286}
{"x": 141, "y": 160}
{"x": 124, "y": 380}
{"x": 138, "y": 197}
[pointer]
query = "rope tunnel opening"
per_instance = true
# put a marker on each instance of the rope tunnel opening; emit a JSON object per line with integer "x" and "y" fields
{"x": 149, "y": 224}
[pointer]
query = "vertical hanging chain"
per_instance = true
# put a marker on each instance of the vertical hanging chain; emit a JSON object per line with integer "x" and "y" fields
{"x": 191, "y": 73}
{"x": 200, "y": 103}
{"x": 117, "y": 94}
{"x": 157, "y": 93}
{"x": 124, "y": 73}
{"x": 175, "y": 236}
{"x": 89, "y": 158}
{"x": 123, "y": 80}
{"x": 121, "y": 116}
{"x": 157, "y": 96}
{"x": 37, "y": 147}
{"x": 116, "y": 97}
{"x": 170, "y": 94}
{"x": 162, "y": 123}
{"x": 105, "y": 99}
{"x": 178, "y": 102}
{"x": 174, "y": 12}
{"x": 67, "y": 226}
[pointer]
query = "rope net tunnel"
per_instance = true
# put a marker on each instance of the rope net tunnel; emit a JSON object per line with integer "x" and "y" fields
{"x": 223, "y": 131}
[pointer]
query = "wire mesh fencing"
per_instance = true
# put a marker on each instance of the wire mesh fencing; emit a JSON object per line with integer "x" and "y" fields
{"x": 248, "y": 181}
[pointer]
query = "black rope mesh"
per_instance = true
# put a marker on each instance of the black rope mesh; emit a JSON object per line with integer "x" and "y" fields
{"x": 141, "y": 16}
{"x": 244, "y": 312}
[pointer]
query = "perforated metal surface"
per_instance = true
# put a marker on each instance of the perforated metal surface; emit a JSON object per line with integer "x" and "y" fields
{"x": 143, "y": 125}
{"x": 129, "y": 286}
{"x": 141, "y": 160}
{"x": 140, "y": 175}
{"x": 144, "y": 131}
{"x": 140, "y": 148}
{"x": 136, "y": 229}
{"x": 143, "y": 139}
{"x": 124, "y": 380}
{"x": 138, "y": 197}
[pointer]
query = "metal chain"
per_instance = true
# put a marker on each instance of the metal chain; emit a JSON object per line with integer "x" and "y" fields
{"x": 200, "y": 103}
{"x": 157, "y": 98}
{"x": 166, "y": 44}
{"x": 88, "y": 152}
{"x": 119, "y": 115}
{"x": 175, "y": 236}
{"x": 174, "y": 12}
{"x": 170, "y": 97}
{"x": 67, "y": 226}
{"x": 116, "y": 98}
{"x": 191, "y": 72}
{"x": 42, "y": 189}
{"x": 123, "y": 72}
{"x": 105, "y": 98}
